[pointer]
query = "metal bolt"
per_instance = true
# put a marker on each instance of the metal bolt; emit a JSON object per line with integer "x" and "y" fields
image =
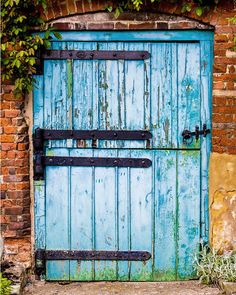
{"x": 50, "y": 160}
{"x": 143, "y": 162}
{"x": 115, "y": 162}
{"x": 115, "y": 134}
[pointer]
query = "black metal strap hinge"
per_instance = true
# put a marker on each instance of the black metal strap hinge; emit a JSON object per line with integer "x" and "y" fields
{"x": 41, "y": 256}
{"x": 96, "y": 54}
{"x": 97, "y": 162}
{"x": 89, "y": 55}
{"x": 40, "y": 160}
{"x": 51, "y": 134}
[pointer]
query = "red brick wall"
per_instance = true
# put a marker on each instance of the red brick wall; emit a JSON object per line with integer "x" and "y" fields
{"x": 15, "y": 187}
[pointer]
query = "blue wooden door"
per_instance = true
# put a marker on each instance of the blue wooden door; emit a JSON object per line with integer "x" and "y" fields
{"x": 161, "y": 209}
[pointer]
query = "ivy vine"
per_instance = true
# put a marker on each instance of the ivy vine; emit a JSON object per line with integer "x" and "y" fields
{"x": 200, "y": 6}
{"x": 19, "y": 45}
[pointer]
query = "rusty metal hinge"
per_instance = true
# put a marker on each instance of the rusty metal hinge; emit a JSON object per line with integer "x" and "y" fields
{"x": 88, "y": 55}
{"x": 41, "y": 256}
{"x": 40, "y": 160}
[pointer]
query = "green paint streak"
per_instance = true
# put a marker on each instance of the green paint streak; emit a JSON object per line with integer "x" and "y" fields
{"x": 39, "y": 184}
{"x": 69, "y": 77}
{"x": 103, "y": 85}
{"x": 106, "y": 274}
{"x": 82, "y": 276}
{"x": 50, "y": 152}
{"x": 168, "y": 275}
{"x": 142, "y": 276}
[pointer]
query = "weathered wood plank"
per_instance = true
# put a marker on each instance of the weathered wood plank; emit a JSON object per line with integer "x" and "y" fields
{"x": 39, "y": 186}
{"x": 57, "y": 215}
{"x": 188, "y": 210}
{"x": 141, "y": 191}
{"x": 152, "y": 36}
{"x": 81, "y": 216}
{"x": 164, "y": 95}
{"x": 123, "y": 207}
{"x": 166, "y": 229}
{"x": 206, "y": 111}
{"x": 84, "y": 93}
{"x": 105, "y": 216}
{"x": 188, "y": 91}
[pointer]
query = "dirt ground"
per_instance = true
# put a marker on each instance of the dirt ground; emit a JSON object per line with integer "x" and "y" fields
{"x": 120, "y": 288}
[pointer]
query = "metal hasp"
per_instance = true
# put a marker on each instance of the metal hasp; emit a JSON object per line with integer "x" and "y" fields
{"x": 97, "y": 162}
{"x": 41, "y": 256}
{"x": 95, "y": 54}
{"x": 188, "y": 135}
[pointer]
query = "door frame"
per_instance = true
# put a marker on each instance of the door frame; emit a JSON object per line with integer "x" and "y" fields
{"x": 206, "y": 41}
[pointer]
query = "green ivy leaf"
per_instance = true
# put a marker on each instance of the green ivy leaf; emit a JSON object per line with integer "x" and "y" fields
{"x": 18, "y": 63}
{"x": 57, "y": 35}
{"x": 199, "y": 11}
{"x": 109, "y": 8}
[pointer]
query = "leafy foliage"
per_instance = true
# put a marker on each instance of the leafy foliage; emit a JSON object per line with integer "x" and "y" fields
{"x": 200, "y": 6}
{"x": 18, "y": 45}
{"x": 212, "y": 267}
{"x": 5, "y": 286}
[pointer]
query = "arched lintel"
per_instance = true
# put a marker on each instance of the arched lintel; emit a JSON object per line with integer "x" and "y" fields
{"x": 128, "y": 21}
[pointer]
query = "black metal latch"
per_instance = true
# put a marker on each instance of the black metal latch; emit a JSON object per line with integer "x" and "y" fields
{"x": 188, "y": 135}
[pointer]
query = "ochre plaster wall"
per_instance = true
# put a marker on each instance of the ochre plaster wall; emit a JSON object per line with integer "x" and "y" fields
{"x": 222, "y": 201}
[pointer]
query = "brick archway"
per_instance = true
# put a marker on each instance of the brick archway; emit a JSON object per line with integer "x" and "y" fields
{"x": 128, "y": 21}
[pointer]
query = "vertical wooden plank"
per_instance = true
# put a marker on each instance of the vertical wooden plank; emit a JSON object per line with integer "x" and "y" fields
{"x": 39, "y": 186}
{"x": 84, "y": 93}
{"x": 81, "y": 216}
{"x": 188, "y": 211}
{"x": 110, "y": 87}
{"x": 102, "y": 93}
{"x": 69, "y": 93}
{"x": 165, "y": 215}
{"x": 141, "y": 217}
{"x": 123, "y": 212}
{"x": 206, "y": 94}
{"x": 147, "y": 92}
{"x": 38, "y": 101}
{"x": 188, "y": 90}
{"x": 105, "y": 216}
{"x": 61, "y": 98}
{"x": 164, "y": 95}
{"x": 134, "y": 95}
{"x": 57, "y": 215}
